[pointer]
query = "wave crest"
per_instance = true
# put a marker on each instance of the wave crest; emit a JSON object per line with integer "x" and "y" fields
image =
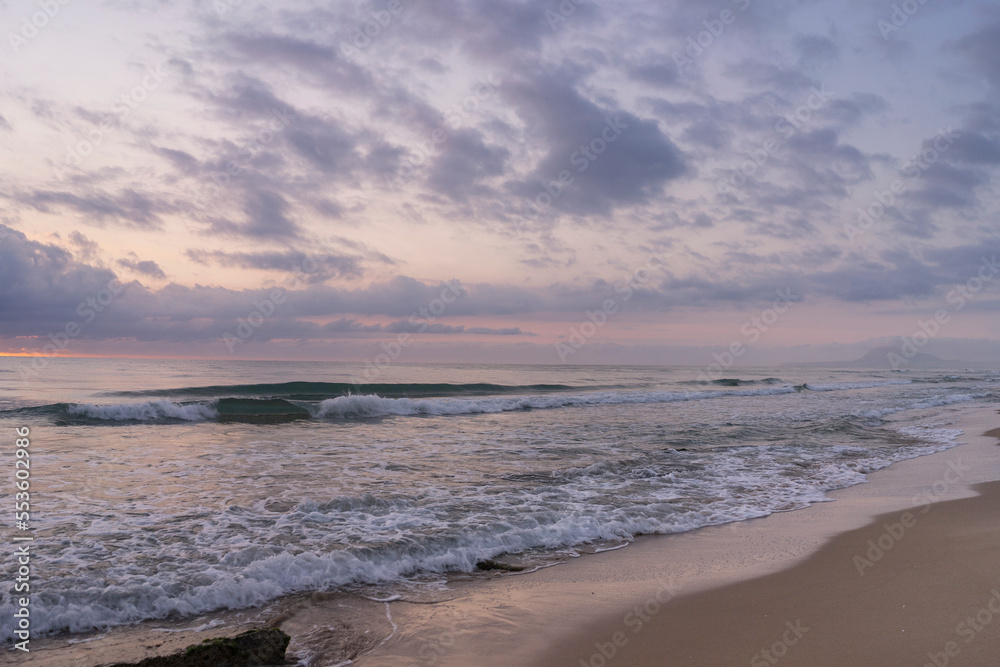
{"x": 149, "y": 411}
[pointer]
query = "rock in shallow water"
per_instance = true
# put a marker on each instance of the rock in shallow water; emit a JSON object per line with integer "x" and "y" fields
{"x": 490, "y": 564}
{"x": 254, "y": 648}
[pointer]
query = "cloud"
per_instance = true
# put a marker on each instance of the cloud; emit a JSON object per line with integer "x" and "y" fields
{"x": 465, "y": 161}
{"x": 267, "y": 215}
{"x": 614, "y": 157}
{"x": 486, "y": 29}
{"x": 185, "y": 162}
{"x": 41, "y": 285}
{"x": 324, "y": 144}
{"x": 88, "y": 251}
{"x": 815, "y": 50}
{"x": 771, "y": 76}
{"x": 852, "y": 111}
{"x": 310, "y": 267}
{"x": 422, "y": 327}
{"x": 975, "y": 148}
{"x": 982, "y": 48}
{"x": 271, "y": 48}
{"x": 661, "y": 72}
{"x": 128, "y": 208}
{"x": 144, "y": 267}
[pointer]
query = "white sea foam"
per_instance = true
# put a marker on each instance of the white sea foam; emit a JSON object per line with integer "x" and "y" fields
{"x": 841, "y": 386}
{"x": 149, "y": 411}
{"x": 372, "y": 405}
{"x": 606, "y": 501}
{"x": 932, "y": 402}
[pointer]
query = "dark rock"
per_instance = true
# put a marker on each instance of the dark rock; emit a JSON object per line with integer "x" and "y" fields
{"x": 253, "y": 648}
{"x": 495, "y": 565}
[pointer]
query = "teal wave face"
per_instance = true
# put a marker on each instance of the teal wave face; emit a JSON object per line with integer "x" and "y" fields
{"x": 735, "y": 382}
{"x": 316, "y": 391}
{"x": 259, "y": 411}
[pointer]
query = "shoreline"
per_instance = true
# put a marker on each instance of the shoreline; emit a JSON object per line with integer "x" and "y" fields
{"x": 906, "y": 589}
{"x": 554, "y": 616}
{"x": 549, "y": 614}
{"x": 914, "y": 586}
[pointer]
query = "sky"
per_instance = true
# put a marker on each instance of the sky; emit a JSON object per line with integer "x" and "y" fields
{"x": 544, "y": 181}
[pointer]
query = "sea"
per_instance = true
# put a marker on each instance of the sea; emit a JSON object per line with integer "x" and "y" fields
{"x": 168, "y": 489}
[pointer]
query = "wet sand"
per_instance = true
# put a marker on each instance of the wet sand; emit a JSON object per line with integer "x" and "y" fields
{"x": 913, "y": 588}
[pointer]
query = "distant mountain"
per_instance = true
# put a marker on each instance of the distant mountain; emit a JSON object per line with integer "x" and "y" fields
{"x": 893, "y": 358}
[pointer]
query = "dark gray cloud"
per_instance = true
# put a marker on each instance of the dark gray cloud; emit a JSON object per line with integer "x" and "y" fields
{"x": 43, "y": 288}
{"x": 129, "y": 207}
{"x": 487, "y": 29}
{"x": 307, "y": 267}
{"x": 144, "y": 267}
{"x": 265, "y": 48}
{"x": 974, "y": 148}
{"x": 948, "y": 185}
{"x": 982, "y": 47}
{"x": 419, "y": 326}
{"x": 954, "y": 170}
{"x": 957, "y": 264}
{"x": 662, "y": 72}
{"x": 267, "y": 215}
{"x": 322, "y": 62}
{"x": 614, "y": 157}
{"x": 465, "y": 161}
{"x": 324, "y": 144}
{"x": 849, "y": 112}
{"x": 815, "y": 49}
{"x": 771, "y": 76}
{"x": 41, "y": 285}
{"x": 183, "y": 161}
{"x": 87, "y": 250}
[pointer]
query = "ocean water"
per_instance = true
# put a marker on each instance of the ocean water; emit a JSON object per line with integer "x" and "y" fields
{"x": 174, "y": 488}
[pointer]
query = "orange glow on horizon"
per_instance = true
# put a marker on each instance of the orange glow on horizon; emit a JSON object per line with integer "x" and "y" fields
{"x": 83, "y": 355}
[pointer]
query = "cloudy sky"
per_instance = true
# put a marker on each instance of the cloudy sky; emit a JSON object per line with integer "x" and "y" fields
{"x": 310, "y": 180}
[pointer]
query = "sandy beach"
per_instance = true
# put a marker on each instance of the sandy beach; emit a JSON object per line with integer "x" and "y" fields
{"x": 915, "y": 587}
{"x": 900, "y": 570}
